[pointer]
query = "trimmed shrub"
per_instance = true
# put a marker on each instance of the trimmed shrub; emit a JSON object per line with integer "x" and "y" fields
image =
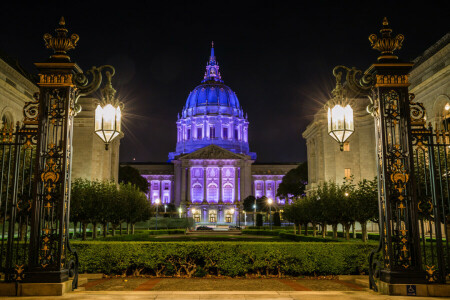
{"x": 259, "y": 220}
{"x": 222, "y": 258}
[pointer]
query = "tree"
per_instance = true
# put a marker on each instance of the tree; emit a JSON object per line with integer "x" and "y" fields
{"x": 248, "y": 203}
{"x": 293, "y": 183}
{"x": 128, "y": 174}
{"x": 136, "y": 207}
{"x": 365, "y": 199}
{"x": 276, "y": 219}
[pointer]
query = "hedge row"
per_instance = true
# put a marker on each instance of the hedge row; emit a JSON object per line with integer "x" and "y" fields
{"x": 261, "y": 232}
{"x": 222, "y": 258}
{"x": 305, "y": 238}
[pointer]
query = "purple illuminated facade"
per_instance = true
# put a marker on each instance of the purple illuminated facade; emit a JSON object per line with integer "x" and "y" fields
{"x": 212, "y": 169}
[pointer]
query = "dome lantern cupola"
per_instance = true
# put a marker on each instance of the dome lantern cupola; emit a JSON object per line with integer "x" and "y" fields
{"x": 212, "y": 115}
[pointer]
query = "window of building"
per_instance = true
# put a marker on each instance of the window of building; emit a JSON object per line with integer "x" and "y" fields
{"x": 348, "y": 173}
{"x": 225, "y": 133}
{"x": 228, "y": 193}
{"x": 213, "y": 192}
{"x": 197, "y": 192}
{"x": 236, "y": 134}
{"x": 259, "y": 186}
{"x": 155, "y": 186}
{"x": 212, "y": 132}
{"x": 346, "y": 146}
{"x": 166, "y": 185}
{"x": 166, "y": 199}
{"x": 188, "y": 134}
{"x": 199, "y": 133}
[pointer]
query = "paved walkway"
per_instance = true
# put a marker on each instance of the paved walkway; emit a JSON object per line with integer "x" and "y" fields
{"x": 225, "y": 295}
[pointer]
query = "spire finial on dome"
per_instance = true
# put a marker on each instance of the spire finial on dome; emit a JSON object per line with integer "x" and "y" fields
{"x": 212, "y": 68}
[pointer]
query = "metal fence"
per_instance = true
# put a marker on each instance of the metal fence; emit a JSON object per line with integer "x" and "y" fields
{"x": 17, "y": 161}
{"x": 432, "y": 170}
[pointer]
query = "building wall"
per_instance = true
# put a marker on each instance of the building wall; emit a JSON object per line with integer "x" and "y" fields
{"x": 90, "y": 159}
{"x": 15, "y": 89}
{"x": 325, "y": 160}
{"x": 430, "y": 81}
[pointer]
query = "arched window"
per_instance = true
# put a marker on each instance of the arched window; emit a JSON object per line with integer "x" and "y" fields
{"x": 213, "y": 192}
{"x": 197, "y": 192}
{"x": 228, "y": 193}
{"x": 7, "y": 119}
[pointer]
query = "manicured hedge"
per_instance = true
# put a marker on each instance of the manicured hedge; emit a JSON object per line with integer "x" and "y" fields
{"x": 222, "y": 258}
{"x": 304, "y": 238}
{"x": 261, "y": 232}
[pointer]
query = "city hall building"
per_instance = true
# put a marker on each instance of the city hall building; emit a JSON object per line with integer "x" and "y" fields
{"x": 212, "y": 169}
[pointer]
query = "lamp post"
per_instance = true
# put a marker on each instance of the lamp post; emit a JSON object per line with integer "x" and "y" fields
{"x": 254, "y": 213}
{"x": 157, "y": 205}
{"x": 180, "y": 210}
{"x": 270, "y": 201}
{"x": 385, "y": 83}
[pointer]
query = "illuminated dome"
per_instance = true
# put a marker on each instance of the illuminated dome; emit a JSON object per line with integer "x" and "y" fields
{"x": 212, "y": 94}
{"x": 212, "y": 115}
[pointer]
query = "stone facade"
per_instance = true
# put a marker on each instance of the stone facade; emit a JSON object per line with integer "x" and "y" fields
{"x": 325, "y": 160}
{"x": 430, "y": 82}
{"x": 16, "y": 88}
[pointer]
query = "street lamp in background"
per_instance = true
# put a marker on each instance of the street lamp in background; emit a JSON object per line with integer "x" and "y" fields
{"x": 157, "y": 201}
{"x": 270, "y": 201}
{"x": 180, "y": 210}
{"x": 254, "y": 213}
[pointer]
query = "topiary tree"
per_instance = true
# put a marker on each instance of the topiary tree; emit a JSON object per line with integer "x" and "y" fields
{"x": 137, "y": 208}
{"x": 276, "y": 219}
{"x": 128, "y": 174}
{"x": 293, "y": 183}
{"x": 259, "y": 220}
{"x": 365, "y": 199}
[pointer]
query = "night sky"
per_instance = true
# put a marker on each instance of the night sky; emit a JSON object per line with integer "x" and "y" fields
{"x": 276, "y": 55}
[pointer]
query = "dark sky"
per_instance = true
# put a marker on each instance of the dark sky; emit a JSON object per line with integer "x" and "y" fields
{"x": 276, "y": 55}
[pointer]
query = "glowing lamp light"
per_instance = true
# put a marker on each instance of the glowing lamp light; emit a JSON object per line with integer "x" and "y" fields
{"x": 270, "y": 201}
{"x": 157, "y": 201}
{"x": 232, "y": 211}
{"x": 340, "y": 123}
{"x": 107, "y": 122}
{"x": 447, "y": 107}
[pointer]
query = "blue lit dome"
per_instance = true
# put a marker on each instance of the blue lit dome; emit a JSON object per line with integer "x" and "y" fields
{"x": 212, "y": 115}
{"x": 212, "y": 94}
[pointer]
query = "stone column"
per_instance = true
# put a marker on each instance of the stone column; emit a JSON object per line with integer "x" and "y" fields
{"x": 160, "y": 192}
{"x": 220, "y": 184}
{"x": 183, "y": 184}
{"x": 236, "y": 190}
{"x": 188, "y": 186}
{"x": 241, "y": 180}
{"x": 204, "y": 184}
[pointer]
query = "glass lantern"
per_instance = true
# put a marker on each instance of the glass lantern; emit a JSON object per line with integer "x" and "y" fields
{"x": 340, "y": 123}
{"x": 107, "y": 122}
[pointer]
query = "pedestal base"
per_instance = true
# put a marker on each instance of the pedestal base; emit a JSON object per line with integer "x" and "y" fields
{"x": 421, "y": 290}
{"x": 35, "y": 289}
{"x": 403, "y": 277}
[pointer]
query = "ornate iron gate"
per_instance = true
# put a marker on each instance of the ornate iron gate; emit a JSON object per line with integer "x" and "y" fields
{"x": 17, "y": 162}
{"x": 432, "y": 167}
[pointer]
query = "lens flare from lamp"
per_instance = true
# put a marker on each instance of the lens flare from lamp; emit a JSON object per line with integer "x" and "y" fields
{"x": 340, "y": 123}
